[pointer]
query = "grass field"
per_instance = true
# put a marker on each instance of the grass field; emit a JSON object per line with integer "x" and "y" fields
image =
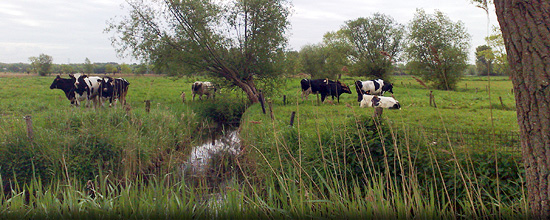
{"x": 335, "y": 161}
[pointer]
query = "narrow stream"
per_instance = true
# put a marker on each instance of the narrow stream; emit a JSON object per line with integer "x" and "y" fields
{"x": 200, "y": 155}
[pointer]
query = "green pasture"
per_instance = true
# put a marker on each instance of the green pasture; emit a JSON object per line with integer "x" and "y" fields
{"x": 461, "y": 110}
{"x": 336, "y": 160}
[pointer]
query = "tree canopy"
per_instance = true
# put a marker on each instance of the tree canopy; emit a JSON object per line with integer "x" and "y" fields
{"x": 437, "y": 49}
{"x": 375, "y": 43}
{"x": 237, "y": 40}
{"x": 42, "y": 64}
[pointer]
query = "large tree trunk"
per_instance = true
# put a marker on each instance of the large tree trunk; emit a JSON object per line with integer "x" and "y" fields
{"x": 525, "y": 26}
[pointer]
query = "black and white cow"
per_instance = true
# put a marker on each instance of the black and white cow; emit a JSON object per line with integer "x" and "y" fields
{"x": 203, "y": 88}
{"x": 372, "y": 87}
{"x": 113, "y": 90}
{"x": 379, "y": 101}
{"x": 324, "y": 87}
{"x": 87, "y": 88}
{"x": 66, "y": 85}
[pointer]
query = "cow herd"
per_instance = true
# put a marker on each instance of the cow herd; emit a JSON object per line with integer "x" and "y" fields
{"x": 99, "y": 90}
{"x": 369, "y": 93}
{"x": 92, "y": 89}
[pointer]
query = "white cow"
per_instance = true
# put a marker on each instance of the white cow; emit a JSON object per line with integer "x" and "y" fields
{"x": 372, "y": 87}
{"x": 379, "y": 101}
{"x": 203, "y": 88}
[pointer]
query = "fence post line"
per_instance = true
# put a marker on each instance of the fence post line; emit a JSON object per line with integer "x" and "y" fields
{"x": 501, "y": 103}
{"x": 284, "y": 99}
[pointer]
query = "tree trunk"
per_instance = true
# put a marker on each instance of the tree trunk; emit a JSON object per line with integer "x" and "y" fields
{"x": 525, "y": 28}
{"x": 249, "y": 88}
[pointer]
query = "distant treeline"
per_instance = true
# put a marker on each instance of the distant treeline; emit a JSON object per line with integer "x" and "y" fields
{"x": 98, "y": 68}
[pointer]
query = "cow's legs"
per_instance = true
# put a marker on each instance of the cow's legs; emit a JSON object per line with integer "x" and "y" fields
{"x": 306, "y": 93}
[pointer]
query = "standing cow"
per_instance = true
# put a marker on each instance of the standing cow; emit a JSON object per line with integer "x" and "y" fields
{"x": 372, "y": 87}
{"x": 324, "y": 87}
{"x": 114, "y": 90}
{"x": 203, "y": 88}
{"x": 87, "y": 88}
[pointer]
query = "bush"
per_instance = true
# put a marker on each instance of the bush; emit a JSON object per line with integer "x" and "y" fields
{"x": 223, "y": 111}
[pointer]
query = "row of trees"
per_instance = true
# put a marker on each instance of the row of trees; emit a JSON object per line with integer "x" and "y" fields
{"x": 244, "y": 41}
{"x": 43, "y": 66}
{"x": 432, "y": 46}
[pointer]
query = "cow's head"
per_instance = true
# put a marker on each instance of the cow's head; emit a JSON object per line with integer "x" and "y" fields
{"x": 55, "y": 82}
{"x": 344, "y": 88}
{"x": 107, "y": 84}
{"x": 388, "y": 87}
{"x": 196, "y": 86}
{"x": 375, "y": 101}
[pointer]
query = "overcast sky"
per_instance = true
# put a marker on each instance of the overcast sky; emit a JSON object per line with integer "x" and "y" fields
{"x": 71, "y": 31}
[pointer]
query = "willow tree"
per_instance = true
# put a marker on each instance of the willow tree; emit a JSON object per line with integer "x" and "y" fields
{"x": 375, "y": 42}
{"x": 525, "y": 27}
{"x": 437, "y": 49}
{"x": 237, "y": 40}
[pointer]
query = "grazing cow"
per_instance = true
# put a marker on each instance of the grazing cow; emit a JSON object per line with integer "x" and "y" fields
{"x": 203, "y": 88}
{"x": 372, "y": 87}
{"x": 66, "y": 85}
{"x": 87, "y": 88}
{"x": 113, "y": 90}
{"x": 379, "y": 101}
{"x": 324, "y": 87}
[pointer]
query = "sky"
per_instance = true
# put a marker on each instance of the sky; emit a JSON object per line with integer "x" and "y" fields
{"x": 71, "y": 31}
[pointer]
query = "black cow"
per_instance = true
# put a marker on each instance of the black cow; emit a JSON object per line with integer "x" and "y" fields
{"x": 67, "y": 85}
{"x": 324, "y": 87}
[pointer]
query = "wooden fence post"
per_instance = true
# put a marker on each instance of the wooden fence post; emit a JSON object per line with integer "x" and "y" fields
{"x": 501, "y": 103}
{"x": 432, "y": 100}
{"x": 261, "y": 99}
{"x": 30, "y": 131}
{"x": 284, "y": 99}
{"x": 147, "y": 106}
{"x": 271, "y": 110}
{"x": 292, "y": 118}
{"x": 378, "y": 112}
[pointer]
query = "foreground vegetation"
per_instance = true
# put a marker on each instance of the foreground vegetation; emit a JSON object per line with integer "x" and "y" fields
{"x": 334, "y": 161}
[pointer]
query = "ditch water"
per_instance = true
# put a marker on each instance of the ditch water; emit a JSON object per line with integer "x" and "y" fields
{"x": 227, "y": 141}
